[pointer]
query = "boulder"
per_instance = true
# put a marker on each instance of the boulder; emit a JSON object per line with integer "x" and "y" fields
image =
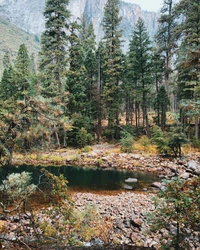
{"x": 128, "y": 187}
{"x": 157, "y": 185}
{"x": 195, "y": 166}
{"x": 131, "y": 180}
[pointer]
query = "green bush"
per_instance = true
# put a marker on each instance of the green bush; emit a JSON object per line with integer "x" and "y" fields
{"x": 83, "y": 138}
{"x": 160, "y": 138}
{"x": 127, "y": 143}
{"x": 177, "y": 210}
{"x": 169, "y": 143}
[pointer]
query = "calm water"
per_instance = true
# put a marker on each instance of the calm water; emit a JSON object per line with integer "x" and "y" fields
{"x": 92, "y": 179}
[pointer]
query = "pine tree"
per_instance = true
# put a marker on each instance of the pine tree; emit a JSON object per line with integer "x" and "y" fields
{"x": 6, "y": 59}
{"x": 22, "y": 71}
{"x": 165, "y": 36}
{"x": 158, "y": 64}
{"x": 188, "y": 55}
{"x": 54, "y": 42}
{"x": 87, "y": 39}
{"x": 5, "y": 86}
{"x": 113, "y": 65}
{"x": 76, "y": 75}
{"x": 140, "y": 70}
{"x": 161, "y": 105}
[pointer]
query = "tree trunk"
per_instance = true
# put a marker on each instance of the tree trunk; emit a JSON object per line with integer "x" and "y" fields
{"x": 197, "y": 128}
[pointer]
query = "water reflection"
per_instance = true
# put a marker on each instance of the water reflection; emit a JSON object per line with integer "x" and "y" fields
{"x": 92, "y": 179}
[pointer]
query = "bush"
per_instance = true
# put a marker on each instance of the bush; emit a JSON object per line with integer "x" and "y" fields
{"x": 169, "y": 143}
{"x": 127, "y": 143}
{"x": 178, "y": 212}
{"x": 161, "y": 140}
{"x": 176, "y": 140}
{"x": 15, "y": 189}
{"x": 83, "y": 138}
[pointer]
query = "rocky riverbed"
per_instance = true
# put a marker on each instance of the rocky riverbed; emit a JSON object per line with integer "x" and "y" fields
{"x": 127, "y": 211}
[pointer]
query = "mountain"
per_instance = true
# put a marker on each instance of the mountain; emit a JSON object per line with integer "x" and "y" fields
{"x": 28, "y": 15}
{"x": 11, "y": 37}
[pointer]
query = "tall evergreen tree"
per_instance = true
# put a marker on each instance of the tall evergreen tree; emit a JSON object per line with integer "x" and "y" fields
{"x": 6, "y": 59}
{"x": 22, "y": 71}
{"x": 161, "y": 105}
{"x": 158, "y": 65}
{"x": 87, "y": 38}
{"x": 188, "y": 33}
{"x": 165, "y": 36}
{"x": 76, "y": 75}
{"x": 113, "y": 64}
{"x": 54, "y": 42}
{"x": 7, "y": 86}
{"x": 140, "y": 70}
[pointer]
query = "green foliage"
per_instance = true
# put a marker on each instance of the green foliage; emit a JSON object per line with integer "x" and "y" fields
{"x": 113, "y": 66}
{"x": 161, "y": 105}
{"x": 53, "y": 59}
{"x": 82, "y": 132}
{"x": 30, "y": 124}
{"x": 196, "y": 143}
{"x": 87, "y": 149}
{"x": 83, "y": 138}
{"x": 139, "y": 71}
{"x": 127, "y": 143}
{"x": 165, "y": 36}
{"x": 16, "y": 189}
{"x": 169, "y": 142}
{"x": 145, "y": 141}
{"x": 176, "y": 140}
{"x": 178, "y": 207}
{"x": 160, "y": 138}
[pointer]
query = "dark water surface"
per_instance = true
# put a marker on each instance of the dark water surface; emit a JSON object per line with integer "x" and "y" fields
{"x": 92, "y": 179}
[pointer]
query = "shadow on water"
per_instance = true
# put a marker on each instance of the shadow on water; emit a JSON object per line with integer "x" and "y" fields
{"x": 92, "y": 179}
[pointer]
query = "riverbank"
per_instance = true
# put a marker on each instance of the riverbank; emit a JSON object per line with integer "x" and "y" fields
{"x": 126, "y": 211}
{"x": 109, "y": 156}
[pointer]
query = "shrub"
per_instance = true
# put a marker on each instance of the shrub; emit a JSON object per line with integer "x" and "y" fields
{"x": 161, "y": 140}
{"x": 178, "y": 211}
{"x": 176, "y": 140}
{"x": 169, "y": 143}
{"x": 127, "y": 143}
{"x": 15, "y": 189}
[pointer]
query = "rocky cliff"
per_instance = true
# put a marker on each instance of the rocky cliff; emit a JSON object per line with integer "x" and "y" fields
{"x": 28, "y": 15}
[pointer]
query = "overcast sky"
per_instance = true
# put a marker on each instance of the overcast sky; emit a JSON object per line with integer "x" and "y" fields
{"x": 151, "y": 5}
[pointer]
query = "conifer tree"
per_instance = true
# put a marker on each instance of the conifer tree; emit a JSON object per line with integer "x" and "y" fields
{"x": 113, "y": 65}
{"x": 165, "y": 36}
{"x": 161, "y": 104}
{"x": 158, "y": 65}
{"x": 188, "y": 55}
{"x": 6, "y": 59}
{"x": 54, "y": 42}
{"x": 22, "y": 71}
{"x": 5, "y": 86}
{"x": 87, "y": 39}
{"x": 76, "y": 75}
{"x": 140, "y": 70}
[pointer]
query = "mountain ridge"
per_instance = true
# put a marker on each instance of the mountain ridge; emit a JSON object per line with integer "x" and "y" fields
{"x": 28, "y": 15}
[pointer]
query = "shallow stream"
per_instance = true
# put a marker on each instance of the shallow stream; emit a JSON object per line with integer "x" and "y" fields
{"x": 93, "y": 179}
